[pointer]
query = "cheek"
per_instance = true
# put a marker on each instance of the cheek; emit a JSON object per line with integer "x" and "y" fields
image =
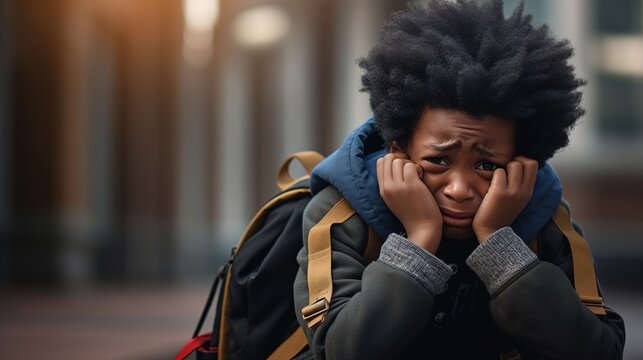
{"x": 432, "y": 181}
{"x": 483, "y": 187}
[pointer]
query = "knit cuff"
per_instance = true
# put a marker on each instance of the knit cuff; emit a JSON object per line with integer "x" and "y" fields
{"x": 430, "y": 271}
{"x": 499, "y": 258}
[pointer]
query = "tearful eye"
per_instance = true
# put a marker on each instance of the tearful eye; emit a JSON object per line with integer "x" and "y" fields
{"x": 437, "y": 160}
{"x": 487, "y": 166}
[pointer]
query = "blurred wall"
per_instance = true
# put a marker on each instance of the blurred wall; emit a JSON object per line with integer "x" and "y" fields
{"x": 138, "y": 137}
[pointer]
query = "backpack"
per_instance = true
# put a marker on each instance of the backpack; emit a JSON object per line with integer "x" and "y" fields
{"x": 254, "y": 311}
{"x": 252, "y": 292}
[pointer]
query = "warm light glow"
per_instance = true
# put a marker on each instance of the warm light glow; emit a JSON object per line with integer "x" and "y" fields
{"x": 622, "y": 55}
{"x": 200, "y": 17}
{"x": 260, "y": 26}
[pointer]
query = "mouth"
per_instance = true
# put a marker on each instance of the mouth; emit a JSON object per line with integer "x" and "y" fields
{"x": 457, "y": 218}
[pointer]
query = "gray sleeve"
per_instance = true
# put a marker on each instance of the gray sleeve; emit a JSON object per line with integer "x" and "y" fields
{"x": 500, "y": 258}
{"x": 423, "y": 266}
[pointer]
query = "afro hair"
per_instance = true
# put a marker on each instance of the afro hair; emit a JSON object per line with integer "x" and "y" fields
{"x": 466, "y": 56}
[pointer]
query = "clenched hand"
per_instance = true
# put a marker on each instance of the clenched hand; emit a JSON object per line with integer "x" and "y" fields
{"x": 508, "y": 194}
{"x": 409, "y": 199}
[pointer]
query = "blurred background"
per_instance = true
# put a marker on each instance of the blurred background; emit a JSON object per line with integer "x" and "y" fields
{"x": 137, "y": 138}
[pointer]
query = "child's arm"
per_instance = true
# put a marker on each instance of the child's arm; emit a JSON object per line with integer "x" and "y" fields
{"x": 531, "y": 300}
{"x": 534, "y": 302}
{"x": 370, "y": 316}
{"x": 408, "y": 198}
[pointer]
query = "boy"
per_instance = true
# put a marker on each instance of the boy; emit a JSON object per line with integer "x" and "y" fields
{"x": 451, "y": 171}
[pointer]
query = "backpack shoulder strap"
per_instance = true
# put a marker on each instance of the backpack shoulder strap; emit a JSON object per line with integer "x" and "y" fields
{"x": 320, "y": 282}
{"x": 584, "y": 272}
{"x": 291, "y": 347}
{"x": 308, "y": 159}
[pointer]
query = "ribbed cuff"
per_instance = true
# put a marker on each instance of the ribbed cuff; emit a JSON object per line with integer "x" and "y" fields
{"x": 430, "y": 271}
{"x": 499, "y": 258}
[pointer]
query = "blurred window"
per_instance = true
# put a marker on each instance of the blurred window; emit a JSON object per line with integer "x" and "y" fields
{"x": 618, "y": 26}
{"x": 621, "y": 16}
{"x": 621, "y": 106}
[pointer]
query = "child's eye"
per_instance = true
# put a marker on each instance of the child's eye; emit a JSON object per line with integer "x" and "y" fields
{"x": 437, "y": 160}
{"x": 487, "y": 166}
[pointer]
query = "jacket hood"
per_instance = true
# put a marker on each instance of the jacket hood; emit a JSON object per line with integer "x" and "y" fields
{"x": 351, "y": 170}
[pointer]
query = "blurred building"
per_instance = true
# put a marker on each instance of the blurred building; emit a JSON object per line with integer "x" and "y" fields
{"x": 138, "y": 137}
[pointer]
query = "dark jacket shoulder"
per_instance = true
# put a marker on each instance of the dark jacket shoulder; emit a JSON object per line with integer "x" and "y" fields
{"x": 354, "y": 227}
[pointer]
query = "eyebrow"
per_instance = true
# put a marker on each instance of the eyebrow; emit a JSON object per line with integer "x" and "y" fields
{"x": 452, "y": 144}
{"x": 484, "y": 151}
{"x": 445, "y": 146}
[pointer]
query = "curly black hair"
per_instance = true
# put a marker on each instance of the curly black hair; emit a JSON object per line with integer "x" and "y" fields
{"x": 466, "y": 56}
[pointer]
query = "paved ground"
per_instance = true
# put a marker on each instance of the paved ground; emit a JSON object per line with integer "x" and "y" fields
{"x": 152, "y": 323}
{"x": 113, "y": 323}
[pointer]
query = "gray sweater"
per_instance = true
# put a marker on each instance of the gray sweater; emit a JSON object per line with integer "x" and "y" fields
{"x": 467, "y": 301}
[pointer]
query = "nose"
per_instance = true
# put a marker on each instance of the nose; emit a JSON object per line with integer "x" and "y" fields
{"x": 459, "y": 188}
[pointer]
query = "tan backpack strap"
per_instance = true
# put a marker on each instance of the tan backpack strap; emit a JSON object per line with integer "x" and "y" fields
{"x": 308, "y": 159}
{"x": 291, "y": 347}
{"x": 320, "y": 281}
{"x": 584, "y": 273}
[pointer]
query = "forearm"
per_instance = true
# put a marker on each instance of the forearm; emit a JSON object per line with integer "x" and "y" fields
{"x": 382, "y": 320}
{"x": 383, "y": 313}
{"x": 543, "y": 312}
{"x": 534, "y": 302}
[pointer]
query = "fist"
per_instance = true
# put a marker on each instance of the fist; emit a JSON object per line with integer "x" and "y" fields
{"x": 508, "y": 195}
{"x": 409, "y": 199}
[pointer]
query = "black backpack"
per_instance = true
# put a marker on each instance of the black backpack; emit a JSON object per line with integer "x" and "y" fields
{"x": 254, "y": 311}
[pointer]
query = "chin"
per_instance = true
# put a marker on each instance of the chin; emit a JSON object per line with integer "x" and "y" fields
{"x": 458, "y": 232}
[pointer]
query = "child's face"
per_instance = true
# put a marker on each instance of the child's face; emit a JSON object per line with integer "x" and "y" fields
{"x": 458, "y": 154}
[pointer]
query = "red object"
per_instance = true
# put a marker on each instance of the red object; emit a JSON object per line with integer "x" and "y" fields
{"x": 194, "y": 344}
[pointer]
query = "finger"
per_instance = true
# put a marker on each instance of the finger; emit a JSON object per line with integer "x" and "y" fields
{"x": 410, "y": 172}
{"x": 388, "y": 162}
{"x": 499, "y": 179}
{"x": 398, "y": 170}
{"x": 530, "y": 173}
{"x": 402, "y": 155}
{"x": 527, "y": 163}
{"x": 514, "y": 174}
